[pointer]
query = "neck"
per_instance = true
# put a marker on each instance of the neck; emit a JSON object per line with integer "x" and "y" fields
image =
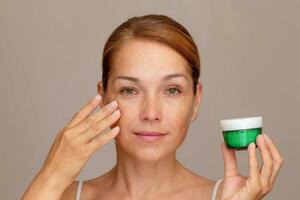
{"x": 139, "y": 178}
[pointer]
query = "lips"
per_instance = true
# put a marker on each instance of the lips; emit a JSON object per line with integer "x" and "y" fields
{"x": 149, "y": 133}
{"x": 150, "y": 137}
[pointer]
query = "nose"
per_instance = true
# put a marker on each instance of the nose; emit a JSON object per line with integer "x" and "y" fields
{"x": 150, "y": 110}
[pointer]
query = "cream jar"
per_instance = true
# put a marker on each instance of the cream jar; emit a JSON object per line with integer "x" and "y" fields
{"x": 238, "y": 133}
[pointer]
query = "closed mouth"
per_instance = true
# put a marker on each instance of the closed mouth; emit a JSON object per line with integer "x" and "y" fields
{"x": 148, "y": 133}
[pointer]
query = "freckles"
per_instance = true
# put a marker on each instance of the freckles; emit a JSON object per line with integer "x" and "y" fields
{"x": 179, "y": 117}
{"x": 178, "y": 110}
{"x": 127, "y": 111}
{"x": 175, "y": 118}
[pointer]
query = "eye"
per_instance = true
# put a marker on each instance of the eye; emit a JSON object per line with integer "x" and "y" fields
{"x": 173, "y": 90}
{"x": 130, "y": 91}
{"x": 127, "y": 91}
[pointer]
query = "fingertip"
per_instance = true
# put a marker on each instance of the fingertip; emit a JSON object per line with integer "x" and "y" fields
{"x": 266, "y": 137}
{"x": 259, "y": 137}
{"x": 116, "y": 130}
{"x": 223, "y": 149}
{"x": 98, "y": 97}
{"x": 223, "y": 146}
{"x": 251, "y": 146}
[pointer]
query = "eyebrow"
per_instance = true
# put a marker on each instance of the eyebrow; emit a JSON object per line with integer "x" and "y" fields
{"x": 165, "y": 78}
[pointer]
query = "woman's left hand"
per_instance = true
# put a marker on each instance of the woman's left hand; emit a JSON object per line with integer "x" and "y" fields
{"x": 260, "y": 181}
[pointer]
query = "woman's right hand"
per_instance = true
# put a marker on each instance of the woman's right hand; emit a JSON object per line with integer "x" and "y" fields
{"x": 76, "y": 143}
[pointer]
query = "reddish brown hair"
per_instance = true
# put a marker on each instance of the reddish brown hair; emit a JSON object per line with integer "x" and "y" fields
{"x": 159, "y": 28}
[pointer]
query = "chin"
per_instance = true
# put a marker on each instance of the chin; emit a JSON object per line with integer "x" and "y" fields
{"x": 144, "y": 154}
{"x": 149, "y": 155}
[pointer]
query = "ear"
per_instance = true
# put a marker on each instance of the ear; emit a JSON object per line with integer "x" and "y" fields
{"x": 101, "y": 92}
{"x": 197, "y": 100}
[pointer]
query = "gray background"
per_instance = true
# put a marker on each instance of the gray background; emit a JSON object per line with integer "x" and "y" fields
{"x": 50, "y": 56}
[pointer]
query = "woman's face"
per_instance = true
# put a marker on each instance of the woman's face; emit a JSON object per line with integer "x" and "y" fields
{"x": 150, "y": 102}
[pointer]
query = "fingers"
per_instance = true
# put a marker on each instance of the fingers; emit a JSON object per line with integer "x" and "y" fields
{"x": 99, "y": 127}
{"x": 276, "y": 157}
{"x": 101, "y": 140}
{"x": 253, "y": 165}
{"x": 97, "y": 117}
{"x": 262, "y": 182}
{"x": 85, "y": 111}
{"x": 230, "y": 163}
{"x": 267, "y": 167}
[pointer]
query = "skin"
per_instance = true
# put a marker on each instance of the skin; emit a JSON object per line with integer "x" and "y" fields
{"x": 151, "y": 171}
{"x": 145, "y": 170}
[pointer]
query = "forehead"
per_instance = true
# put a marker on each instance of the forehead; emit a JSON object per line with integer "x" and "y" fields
{"x": 148, "y": 59}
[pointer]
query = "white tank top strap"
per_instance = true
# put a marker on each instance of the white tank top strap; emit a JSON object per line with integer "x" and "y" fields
{"x": 214, "y": 193}
{"x": 79, "y": 187}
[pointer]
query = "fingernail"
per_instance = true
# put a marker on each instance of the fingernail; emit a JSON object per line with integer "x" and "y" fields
{"x": 260, "y": 136}
{"x": 113, "y": 104}
{"x": 116, "y": 113}
{"x": 98, "y": 97}
{"x": 252, "y": 144}
{"x": 116, "y": 129}
{"x": 266, "y": 137}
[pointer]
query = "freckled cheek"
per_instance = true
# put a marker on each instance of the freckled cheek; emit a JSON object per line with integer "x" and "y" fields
{"x": 176, "y": 121}
{"x": 127, "y": 114}
{"x": 180, "y": 110}
{"x": 178, "y": 117}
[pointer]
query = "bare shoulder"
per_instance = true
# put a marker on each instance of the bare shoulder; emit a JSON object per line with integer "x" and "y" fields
{"x": 200, "y": 188}
{"x": 207, "y": 188}
{"x": 91, "y": 189}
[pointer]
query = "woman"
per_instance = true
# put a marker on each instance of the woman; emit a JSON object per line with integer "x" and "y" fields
{"x": 149, "y": 94}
